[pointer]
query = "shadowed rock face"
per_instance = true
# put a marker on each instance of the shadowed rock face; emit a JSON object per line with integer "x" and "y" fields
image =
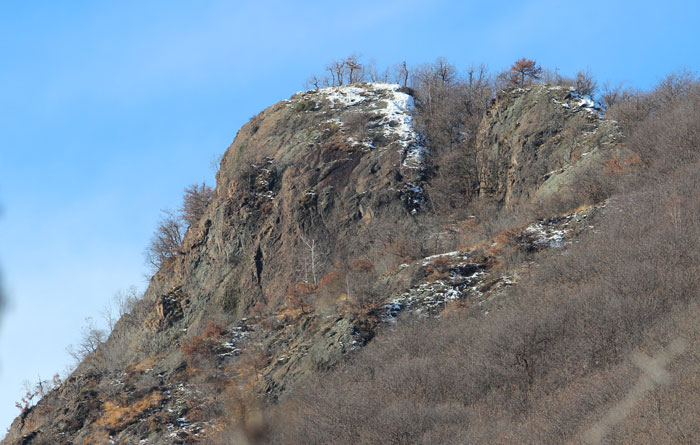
{"x": 335, "y": 166}
{"x": 339, "y": 169}
{"x": 534, "y": 141}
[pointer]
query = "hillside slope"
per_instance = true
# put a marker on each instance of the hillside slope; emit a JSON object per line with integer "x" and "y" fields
{"x": 319, "y": 234}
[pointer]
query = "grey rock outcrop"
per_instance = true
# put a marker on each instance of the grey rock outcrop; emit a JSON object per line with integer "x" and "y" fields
{"x": 534, "y": 141}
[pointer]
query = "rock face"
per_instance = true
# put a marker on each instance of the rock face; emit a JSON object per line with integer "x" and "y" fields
{"x": 320, "y": 183}
{"x": 331, "y": 166}
{"x": 334, "y": 168}
{"x": 535, "y": 140}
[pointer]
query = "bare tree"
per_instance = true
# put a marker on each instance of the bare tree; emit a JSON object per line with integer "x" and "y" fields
{"x": 445, "y": 71}
{"x": 476, "y": 92}
{"x": 337, "y": 70}
{"x": 91, "y": 338}
{"x": 166, "y": 241}
{"x": 439, "y": 97}
{"x": 311, "y": 246}
{"x": 37, "y": 391}
{"x": 313, "y": 82}
{"x": 476, "y": 76}
{"x": 675, "y": 86}
{"x": 346, "y": 71}
{"x": 374, "y": 75}
{"x": 524, "y": 69}
{"x": 401, "y": 74}
{"x": 195, "y": 201}
{"x": 355, "y": 70}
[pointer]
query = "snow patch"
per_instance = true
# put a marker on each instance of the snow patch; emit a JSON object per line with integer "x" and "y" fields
{"x": 585, "y": 102}
{"x": 429, "y": 298}
{"x": 392, "y": 106}
{"x": 429, "y": 259}
{"x": 546, "y": 235}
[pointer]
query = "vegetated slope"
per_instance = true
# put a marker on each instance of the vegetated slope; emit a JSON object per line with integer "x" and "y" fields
{"x": 320, "y": 233}
{"x": 597, "y": 343}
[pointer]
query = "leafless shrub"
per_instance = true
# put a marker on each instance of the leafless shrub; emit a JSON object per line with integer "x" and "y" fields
{"x": 591, "y": 185}
{"x": 666, "y": 133}
{"x": 585, "y": 83}
{"x": 629, "y": 108}
{"x": 362, "y": 289}
{"x": 676, "y": 86}
{"x": 37, "y": 391}
{"x": 614, "y": 94}
{"x": 200, "y": 350}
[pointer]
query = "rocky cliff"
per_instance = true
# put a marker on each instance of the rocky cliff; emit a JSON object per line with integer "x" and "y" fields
{"x": 318, "y": 235}
{"x": 538, "y": 140}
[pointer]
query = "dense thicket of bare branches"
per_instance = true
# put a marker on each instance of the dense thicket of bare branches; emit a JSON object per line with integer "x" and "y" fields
{"x": 449, "y": 108}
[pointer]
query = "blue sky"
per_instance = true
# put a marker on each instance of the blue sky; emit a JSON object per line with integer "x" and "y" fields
{"x": 109, "y": 109}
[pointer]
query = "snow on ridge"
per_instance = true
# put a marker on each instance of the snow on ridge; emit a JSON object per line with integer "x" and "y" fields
{"x": 396, "y": 116}
{"x": 429, "y": 259}
{"x": 345, "y": 95}
{"x": 358, "y": 93}
{"x": 587, "y": 103}
{"x": 578, "y": 101}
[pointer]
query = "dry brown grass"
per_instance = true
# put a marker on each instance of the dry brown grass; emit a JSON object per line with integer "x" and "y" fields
{"x": 117, "y": 417}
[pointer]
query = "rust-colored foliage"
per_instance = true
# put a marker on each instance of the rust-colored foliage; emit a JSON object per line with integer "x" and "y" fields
{"x": 524, "y": 69}
{"x": 613, "y": 167}
{"x": 214, "y": 329}
{"x": 202, "y": 346}
{"x": 300, "y": 296}
{"x": 331, "y": 279}
{"x": 362, "y": 265}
